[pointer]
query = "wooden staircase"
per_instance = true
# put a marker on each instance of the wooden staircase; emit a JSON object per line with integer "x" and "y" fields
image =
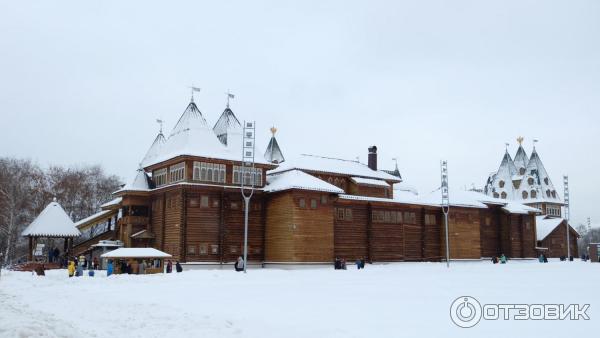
{"x": 82, "y": 247}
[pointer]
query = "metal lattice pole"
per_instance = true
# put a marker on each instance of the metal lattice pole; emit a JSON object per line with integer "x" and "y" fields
{"x": 567, "y": 214}
{"x": 445, "y": 205}
{"x": 247, "y": 187}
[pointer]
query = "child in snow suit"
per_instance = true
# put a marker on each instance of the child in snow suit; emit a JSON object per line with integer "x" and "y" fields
{"x": 502, "y": 259}
{"x": 178, "y": 267}
{"x": 71, "y": 268}
{"x": 239, "y": 264}
{"x": 109, "y": 269}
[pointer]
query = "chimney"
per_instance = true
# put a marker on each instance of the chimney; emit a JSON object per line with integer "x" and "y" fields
{"x": 373, "y": 158}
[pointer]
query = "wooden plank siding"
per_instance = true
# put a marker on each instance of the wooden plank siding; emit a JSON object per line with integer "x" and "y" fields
{"x": 556, "y": 242}
{"x": 299, "y": 234}
{"x": 463, "y": 233}
{"x": 351, "y": 237}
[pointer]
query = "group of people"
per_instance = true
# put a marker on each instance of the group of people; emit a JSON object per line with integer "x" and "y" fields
{"x": 76, "y": 266}
{"x": 54, "y": 255}
{"x": 178, "y": 267}
{"x": 502, "y": 259}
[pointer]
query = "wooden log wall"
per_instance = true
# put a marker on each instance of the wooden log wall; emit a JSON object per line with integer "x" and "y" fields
{"x": 172, "y": 228}
{"x": 556, "y": 242}
{"x": 463, "y": 233}
{"x": 433, "y": 236}
{"x": 351, "y": 237}
{"x": 296, "y": 233}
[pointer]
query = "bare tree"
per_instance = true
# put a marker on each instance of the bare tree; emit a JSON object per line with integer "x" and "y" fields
{"x": 26, "y": 189}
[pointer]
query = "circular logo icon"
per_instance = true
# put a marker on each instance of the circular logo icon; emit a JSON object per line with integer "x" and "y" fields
{"x": 465, "y": 312}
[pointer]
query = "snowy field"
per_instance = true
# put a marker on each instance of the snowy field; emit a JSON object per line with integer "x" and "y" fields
{"x": 395, "y": 300}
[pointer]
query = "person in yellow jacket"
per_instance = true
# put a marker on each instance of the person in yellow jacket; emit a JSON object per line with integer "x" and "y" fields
{"x": 71, "y": 268}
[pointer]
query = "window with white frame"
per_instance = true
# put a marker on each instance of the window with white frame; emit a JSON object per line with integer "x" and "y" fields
{"x": 177, "y": 172}
{"x": 160, "y": 177}
{"x": 250, "y": 174}
{"x": 209, "y": 172}
{"x": 553, "y": 210}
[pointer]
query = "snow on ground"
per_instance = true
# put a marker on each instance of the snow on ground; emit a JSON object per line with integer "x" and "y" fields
{"x": 404, "y": 299}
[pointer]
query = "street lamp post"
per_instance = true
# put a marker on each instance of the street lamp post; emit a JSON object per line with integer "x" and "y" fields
{"x": 445, "y": 205}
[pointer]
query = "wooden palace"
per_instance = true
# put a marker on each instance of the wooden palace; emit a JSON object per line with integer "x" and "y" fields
{"x": 526, "y": 181}
{"x": 185, "y": 200}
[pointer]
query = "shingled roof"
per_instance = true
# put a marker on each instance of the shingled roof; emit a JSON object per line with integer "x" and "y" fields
{"x": 53, "y": 221}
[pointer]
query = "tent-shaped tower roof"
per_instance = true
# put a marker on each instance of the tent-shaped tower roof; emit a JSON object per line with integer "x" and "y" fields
{"x": 536, "y": 185}
{"x": 53, "y": 221}
{"x": 140, "y": 182}
{"x": 273, "y": 153}
{"x": 521, "y": 158}
{"x": 155, "y": 148}
{"x": 225, "y": 124}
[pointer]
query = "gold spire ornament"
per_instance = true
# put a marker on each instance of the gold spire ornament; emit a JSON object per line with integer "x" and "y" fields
{"x": 520, "y": 140}
{"x": 273, "y": 130}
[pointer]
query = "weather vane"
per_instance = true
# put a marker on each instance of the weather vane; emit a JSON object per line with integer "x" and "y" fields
{"x": 520, "y": 140}
{"x": 160, "y": 122}
{"x": 534, "y": 142}
{"x": 273, "y": 130}
{"x": 229, "y": 96}
{"x": 194, "y": 89}
{"x": 506, "y": 144}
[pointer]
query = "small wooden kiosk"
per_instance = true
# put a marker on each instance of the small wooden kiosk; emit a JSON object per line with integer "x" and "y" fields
{"x": 154, "y": 259}
{"x": 52, "y": 222}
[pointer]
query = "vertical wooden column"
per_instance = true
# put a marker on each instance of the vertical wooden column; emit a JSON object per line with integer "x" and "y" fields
{"x": 183, "y": 230}
{"x": 369, "y": 232}
{"x": 162, "y": 225}
{"x": 263, "y": 216}
{"x": 423, "y": 234}
{"x": 30, "y": 254}
{"x": 221, "y": 225}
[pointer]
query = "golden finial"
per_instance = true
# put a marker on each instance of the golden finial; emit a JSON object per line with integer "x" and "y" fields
{"x": 273, "y": 130}
{"x": 520, "y": 140}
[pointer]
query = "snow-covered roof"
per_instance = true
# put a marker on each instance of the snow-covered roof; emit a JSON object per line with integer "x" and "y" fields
{"x": 518, "y": 208}
{"x": 405, "y": 187}
{"x": 53, "y": 221}
{"x": 296, "y": 179}
{"x": 139, "y": 183}
{"x": 100, "y": 214}
{"x": 155, "y": 149}
{"x": 466, "y": 199}
{"x": 226, "y": 122}
{"x": 545, "y": 225}
{"x": 136, "y": 253}
{"x": 370, "y": 181}
{"x": 112, "y": 203}
{"x": 524, "y": 179}
{"x": 193, "y": 137}
{"x": 333, "y": 166}
{"x": 521, "y": 158}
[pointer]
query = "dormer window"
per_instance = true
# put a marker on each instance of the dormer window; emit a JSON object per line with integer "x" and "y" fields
{"x": 522, "y": 171}
{"x": 533, "y": 194}
{"x": 496, "y": 195}
{"x": 503, "y": 195}
{"x": 546, "y": 181}
{"x": 554, "y": 193}
{"x": 525, "y": 195}
{"x": 548, "y": 193}
{"x": 501, "y": 184}
{"x": 530, "y": 181}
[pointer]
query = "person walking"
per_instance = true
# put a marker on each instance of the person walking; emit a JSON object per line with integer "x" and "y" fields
{"x": 169, "y": 266}
{"x": 239, "y": 264}
{"x": 79, "y": 269}
{"x": 95, "y": 263}
{"x": 178, "y": 267}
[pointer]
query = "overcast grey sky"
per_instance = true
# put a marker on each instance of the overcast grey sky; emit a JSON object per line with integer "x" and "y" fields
{"x": 83, "y": 83}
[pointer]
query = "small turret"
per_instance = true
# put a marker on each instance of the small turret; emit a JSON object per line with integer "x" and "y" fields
{"x": 273, "y": 154}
